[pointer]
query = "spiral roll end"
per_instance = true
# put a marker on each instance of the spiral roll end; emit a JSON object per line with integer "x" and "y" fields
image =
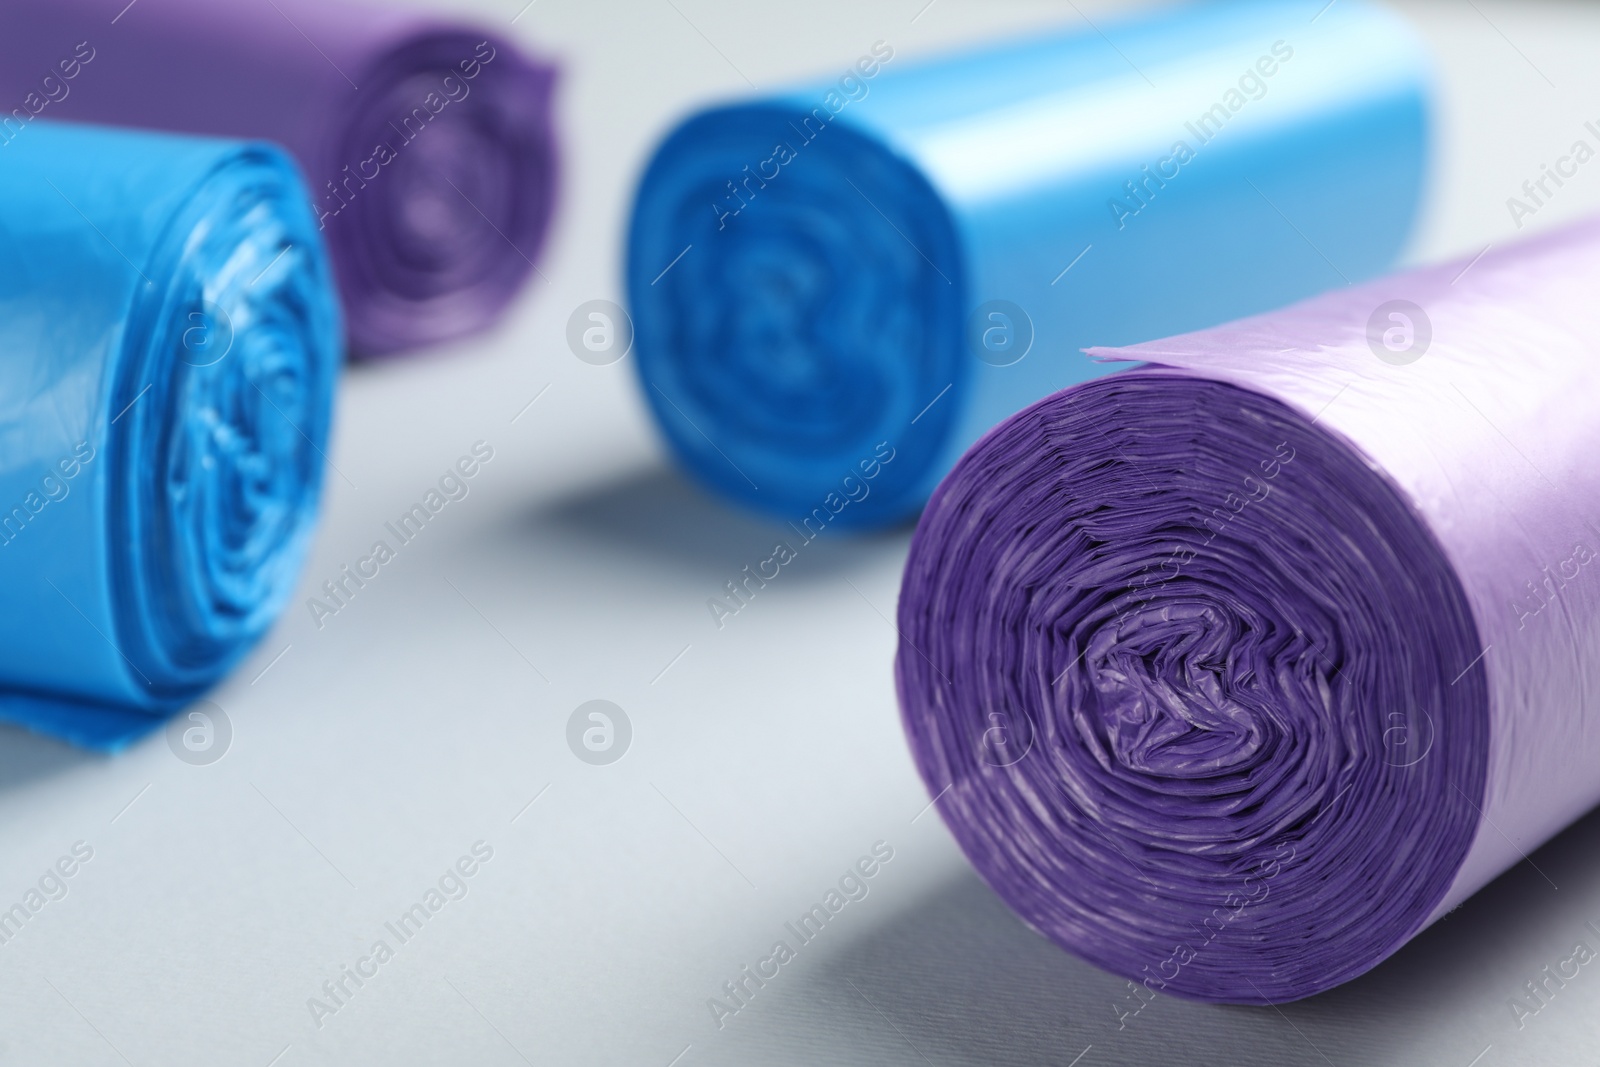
{"x": 797, "y": 302}
{"x": 447, "y": 189}
{"x": 1187, "y": 666}
{"x": 224, "y": 394}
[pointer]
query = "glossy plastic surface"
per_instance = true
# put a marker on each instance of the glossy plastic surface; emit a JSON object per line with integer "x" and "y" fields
{"x": 908, "y": 254}
{"x": 428, "y": 145}
{"x": 1242, "y": 667}
{"x": 169, "y": 343}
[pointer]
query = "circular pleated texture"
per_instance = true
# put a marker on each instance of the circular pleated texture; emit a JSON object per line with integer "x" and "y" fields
{"x": 796, "y": 291}
{"x": 444, "y": 208}
{"x": 1188, "y": 667}
{"x": 221, "y": 418}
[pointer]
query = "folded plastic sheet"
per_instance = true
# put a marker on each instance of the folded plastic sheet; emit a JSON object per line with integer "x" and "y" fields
{"x": 1242, "y": 667}
{"x": 910, "y": 253}
{"x": 427, "y": 144}
{"x": 169, "y": 342}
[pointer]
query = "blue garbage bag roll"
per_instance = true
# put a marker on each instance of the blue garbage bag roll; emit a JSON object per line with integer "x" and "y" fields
{"x": 169, "y": 341}
{"x": 888, "y": 264}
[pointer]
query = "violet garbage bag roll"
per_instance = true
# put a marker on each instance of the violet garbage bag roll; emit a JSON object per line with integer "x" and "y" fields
{"x": 1243, "y": 666}
{"x": 892, "y": 262}
{"x": 428, "y": 144}
{"x": 169, "y": 345}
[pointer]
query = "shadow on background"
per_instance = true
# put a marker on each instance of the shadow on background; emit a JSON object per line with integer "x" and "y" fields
{"x": 655, "y": 514}
{"x": 27, "y": 757}
{"x": 956, "y": 978}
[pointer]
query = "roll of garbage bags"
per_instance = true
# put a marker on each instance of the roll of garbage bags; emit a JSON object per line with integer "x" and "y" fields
{"x": 169, "y": 344}
{"x": 900, "y": 258}
{"x": 428, "y": 144}
{"x": 1235, "y": 670}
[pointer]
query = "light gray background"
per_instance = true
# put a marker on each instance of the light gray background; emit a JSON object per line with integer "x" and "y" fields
{"x": 767, "y": 756}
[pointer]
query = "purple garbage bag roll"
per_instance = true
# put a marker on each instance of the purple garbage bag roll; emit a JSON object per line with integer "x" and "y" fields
{"x": 1235, "y": 670}
{"x": 428, "y": 145}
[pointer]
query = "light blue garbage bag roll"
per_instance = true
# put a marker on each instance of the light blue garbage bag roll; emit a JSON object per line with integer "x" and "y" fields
{"x": 168, "y": 349}
{"x": 888, "y": 264}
